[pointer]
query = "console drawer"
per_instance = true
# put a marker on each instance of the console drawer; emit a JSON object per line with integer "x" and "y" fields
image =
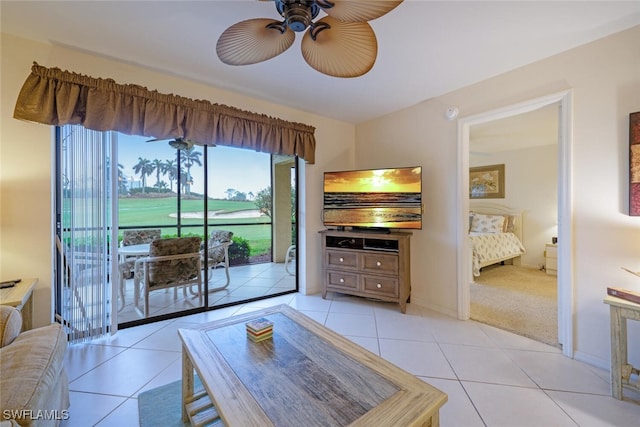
{"x": 380, "y": 263}
{"x": 341, "y": 279}
{"x": 341, "y": 259}
{"x": 381, "y": 285}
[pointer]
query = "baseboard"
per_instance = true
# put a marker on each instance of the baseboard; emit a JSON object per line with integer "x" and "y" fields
{"x": 435, "y": 307}
{"x": 592, "y": 360}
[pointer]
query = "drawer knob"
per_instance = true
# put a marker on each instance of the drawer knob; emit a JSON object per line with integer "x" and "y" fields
{"x": 378, "y": 263}
{"x": 378, "y": 286}
{"x": 341, "y": 280}
{"x": 341, "y": 259}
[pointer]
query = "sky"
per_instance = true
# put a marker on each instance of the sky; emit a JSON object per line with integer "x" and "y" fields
{"x": 243, "y": 170}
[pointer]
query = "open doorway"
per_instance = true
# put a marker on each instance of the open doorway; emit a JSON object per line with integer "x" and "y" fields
{"x": 564, "y": 288}
{"x": 511, "y": 287}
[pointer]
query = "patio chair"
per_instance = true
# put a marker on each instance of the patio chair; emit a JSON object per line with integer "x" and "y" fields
{"x": 126, "y": 264}
{"x": 171, "y": 263}
{"x": 290, "y": 258}
{"x": 217, "y": 254}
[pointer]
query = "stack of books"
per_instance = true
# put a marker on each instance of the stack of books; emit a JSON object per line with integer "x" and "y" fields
{"x": 625, "y": 294}
{"x": 259, "y": 329}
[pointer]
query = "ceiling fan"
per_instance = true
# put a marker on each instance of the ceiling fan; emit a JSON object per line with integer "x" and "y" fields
{"x": 177, "y": 143}
{"x": 341, "y": 44}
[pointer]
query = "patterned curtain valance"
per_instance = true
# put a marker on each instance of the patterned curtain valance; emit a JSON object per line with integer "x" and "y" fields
{"x": 55, "y": 97}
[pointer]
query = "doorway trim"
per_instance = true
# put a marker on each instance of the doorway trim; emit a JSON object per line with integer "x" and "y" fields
{"x": 565, "y": 208}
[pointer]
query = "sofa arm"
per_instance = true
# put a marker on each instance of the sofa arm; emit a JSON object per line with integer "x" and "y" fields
{"x": 37, "y": 380}
{"x": 10, "y": 324}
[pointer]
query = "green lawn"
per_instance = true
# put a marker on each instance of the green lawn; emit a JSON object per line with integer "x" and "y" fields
{"x": 161, "y": 211}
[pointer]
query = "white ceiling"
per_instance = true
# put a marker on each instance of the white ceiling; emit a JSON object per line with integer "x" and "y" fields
{"x": 425, "y": 48}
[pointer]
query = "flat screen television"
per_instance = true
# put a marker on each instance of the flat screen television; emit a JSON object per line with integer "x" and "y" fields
{"x": 373, "y": 198}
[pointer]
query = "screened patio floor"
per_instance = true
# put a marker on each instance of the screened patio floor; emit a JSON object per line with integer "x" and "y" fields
{"x": 247, "y": 281}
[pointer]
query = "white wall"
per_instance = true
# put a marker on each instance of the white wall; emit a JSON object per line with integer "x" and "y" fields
{"x": 26, "y": 161}
{"x": 531, "y": 186}
{"x": 605, "y": 81}
{"x": 420, "y": 136}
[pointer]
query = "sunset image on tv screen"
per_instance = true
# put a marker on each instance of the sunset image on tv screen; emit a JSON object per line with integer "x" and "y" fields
{"x": 389, "y": 198}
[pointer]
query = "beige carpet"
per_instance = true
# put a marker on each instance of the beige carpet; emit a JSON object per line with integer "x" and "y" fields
{"x": 517, "y": 299}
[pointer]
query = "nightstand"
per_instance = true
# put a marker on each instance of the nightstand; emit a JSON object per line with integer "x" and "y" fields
{"x": 551, "y": 259}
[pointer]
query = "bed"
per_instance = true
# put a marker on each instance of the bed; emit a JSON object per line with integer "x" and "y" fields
{"x": 495, "y": 234}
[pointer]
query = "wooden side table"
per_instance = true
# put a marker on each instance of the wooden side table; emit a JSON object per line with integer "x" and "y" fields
{"x": 621, "y": 369}
{"x": 21, "y": 297}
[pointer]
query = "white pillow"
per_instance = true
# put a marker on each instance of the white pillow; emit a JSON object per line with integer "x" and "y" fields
{"x": 482, "y": 223}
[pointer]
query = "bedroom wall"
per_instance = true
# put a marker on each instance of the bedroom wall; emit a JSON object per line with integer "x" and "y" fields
{"x": 26, "y": 161}
{"x": 531, "y": 186}
{"x": 605, "y": 83}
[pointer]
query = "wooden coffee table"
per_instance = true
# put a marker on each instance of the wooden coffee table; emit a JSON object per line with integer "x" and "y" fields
{"x": 305, "y": 375}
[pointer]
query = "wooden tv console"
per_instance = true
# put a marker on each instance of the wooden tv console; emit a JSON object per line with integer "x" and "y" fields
{"x": 367, "y": 264}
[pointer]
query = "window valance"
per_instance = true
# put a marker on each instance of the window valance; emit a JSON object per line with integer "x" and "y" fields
{"x": 55, "y": 97}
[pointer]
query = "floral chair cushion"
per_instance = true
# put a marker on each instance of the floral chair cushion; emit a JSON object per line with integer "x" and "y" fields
{"x": 138, "y": 237}
{"x": 127, "y": 266}
{"x": 135, "y": 237}
{"x": 162, "y": 273}
{"x": 215, "y": 250}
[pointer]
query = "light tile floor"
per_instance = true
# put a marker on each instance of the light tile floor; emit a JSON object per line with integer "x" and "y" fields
{"x": 492, "y": 377}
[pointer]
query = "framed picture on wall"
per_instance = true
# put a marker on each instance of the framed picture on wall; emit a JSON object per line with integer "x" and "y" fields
{"x": 486, "y": 182}
{"x": 634, "y": 164}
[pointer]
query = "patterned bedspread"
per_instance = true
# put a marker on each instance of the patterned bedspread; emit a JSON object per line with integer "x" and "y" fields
{"x": 487, "y": 247}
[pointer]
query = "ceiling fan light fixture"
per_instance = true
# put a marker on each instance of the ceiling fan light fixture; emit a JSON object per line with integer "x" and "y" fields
{"x": 299, "y": 15}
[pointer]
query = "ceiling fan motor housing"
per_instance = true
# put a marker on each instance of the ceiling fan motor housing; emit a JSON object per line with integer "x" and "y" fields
{"x": 298, "y": 14}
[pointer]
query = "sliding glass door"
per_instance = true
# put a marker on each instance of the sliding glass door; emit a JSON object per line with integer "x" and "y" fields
{"x": 115, "y": 193}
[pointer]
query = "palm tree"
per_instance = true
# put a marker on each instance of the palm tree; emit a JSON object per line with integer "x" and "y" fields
{"x": 189, "y": 157}
{"x": 184, "y": 179}
{"x": 144, "y": 167}
{"x": 158, "y": 167}
{"x": 171, "y": 169}
{"x": 122, "y": 180}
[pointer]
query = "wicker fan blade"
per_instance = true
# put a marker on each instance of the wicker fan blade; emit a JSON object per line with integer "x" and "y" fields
{"x": 251, "y": 41}
{"x": 360, "y": 10}
{"x": 346, "y": 49}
